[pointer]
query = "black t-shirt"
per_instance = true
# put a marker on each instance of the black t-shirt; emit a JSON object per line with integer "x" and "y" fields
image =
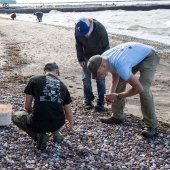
{"x": 50, "y": 95}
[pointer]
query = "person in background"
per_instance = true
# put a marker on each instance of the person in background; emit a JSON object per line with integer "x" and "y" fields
{"x": 13, "y": 16}
{"x": 39, "y": 15}
{"x": 52, "y": 105}
{"x": 91, "y": 39}
{"x": 123, "y": 61}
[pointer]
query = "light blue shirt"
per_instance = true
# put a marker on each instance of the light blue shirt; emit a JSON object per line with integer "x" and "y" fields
{"x": 125, "y": 56}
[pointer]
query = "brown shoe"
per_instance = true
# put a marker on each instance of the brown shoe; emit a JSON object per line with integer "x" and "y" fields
{"x": 111, "y": 120}
{"x": 149, "y": 133}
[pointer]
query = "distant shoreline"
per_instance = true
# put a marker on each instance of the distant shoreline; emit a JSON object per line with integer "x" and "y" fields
{"x": 83, "y": 8}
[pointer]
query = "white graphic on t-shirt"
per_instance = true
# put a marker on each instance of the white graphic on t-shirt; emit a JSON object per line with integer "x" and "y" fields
{"x": 51, "y": 90}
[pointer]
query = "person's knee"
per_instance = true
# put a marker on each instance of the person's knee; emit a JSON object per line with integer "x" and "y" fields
{"x": 100, "y": 82}
{"x": 100, "y": 79}
{"x": 86, "y": 81}
{"x": 145, "y": 94}
{"x": 17, "y": 115}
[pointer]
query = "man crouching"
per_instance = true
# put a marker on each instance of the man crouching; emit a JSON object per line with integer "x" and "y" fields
{"x": 13, "y": 16}
{"x": 51, "y": 107}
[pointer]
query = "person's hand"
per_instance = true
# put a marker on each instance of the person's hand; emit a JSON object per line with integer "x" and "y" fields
{"x": 69, "y": 127}
{"x": 82, "y": 63}
{"x": 29, "y": 110}
{"x": 110, "y": 98}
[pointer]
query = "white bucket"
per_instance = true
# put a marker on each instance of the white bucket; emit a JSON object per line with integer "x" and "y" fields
{"x": 5, "y": 114}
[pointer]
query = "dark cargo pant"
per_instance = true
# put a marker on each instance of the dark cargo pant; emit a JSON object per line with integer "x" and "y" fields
{"x": 21, "y": 119}
{"x": 147, "y": 70}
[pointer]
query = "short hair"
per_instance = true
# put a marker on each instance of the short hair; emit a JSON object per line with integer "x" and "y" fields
{"x": 94, "y": 63}
{"x": 51, "y": 67}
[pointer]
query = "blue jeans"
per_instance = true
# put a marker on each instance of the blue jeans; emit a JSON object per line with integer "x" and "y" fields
{"x": 88, "y": 92}
{"x": 39, "y": 19}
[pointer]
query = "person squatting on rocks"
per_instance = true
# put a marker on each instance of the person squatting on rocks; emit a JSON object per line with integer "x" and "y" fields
{"x": 91, "y": 39}
{"x": 13, "y": 16}
{"x": 39, "y": 15}
{"x": 123, "y": 61}
{"x": 51, "y": 107}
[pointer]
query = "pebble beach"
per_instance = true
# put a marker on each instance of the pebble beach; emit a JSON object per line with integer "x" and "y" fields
{"x": 25, "y": 47}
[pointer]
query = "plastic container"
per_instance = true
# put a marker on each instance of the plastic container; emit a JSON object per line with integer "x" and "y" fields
{"x": 5, "y": 114}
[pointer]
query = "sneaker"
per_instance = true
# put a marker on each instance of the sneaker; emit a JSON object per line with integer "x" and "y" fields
{"x": 42, "y": 140}
{"x": 99, "y": 108}
{"x": 88, "y": 106}
{"x": 57, "y": 137}
{"x": 149, "y": 133}
{"x": 111, "y": 120}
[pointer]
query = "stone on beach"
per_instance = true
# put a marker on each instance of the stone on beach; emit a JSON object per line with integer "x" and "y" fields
{"x": 94, "y": 145}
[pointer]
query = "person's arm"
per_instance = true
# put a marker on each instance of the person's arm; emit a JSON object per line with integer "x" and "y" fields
{"x": 28, "y": 103}
{"x": 104, "y": 40}
{"x": 79, "y": 51}
{"x": 69, "y": 116}
{"x": 112, "y": 96}
{"x": 114, "y": 83}
{"x": 136, "y": 87}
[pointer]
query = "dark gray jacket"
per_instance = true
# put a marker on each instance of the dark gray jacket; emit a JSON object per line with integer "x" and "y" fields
{"x": 39, "y": 14}
{"x": 96, "y": 43}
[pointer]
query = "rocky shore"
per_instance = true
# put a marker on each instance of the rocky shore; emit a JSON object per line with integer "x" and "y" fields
{"x": 24, "y": 49}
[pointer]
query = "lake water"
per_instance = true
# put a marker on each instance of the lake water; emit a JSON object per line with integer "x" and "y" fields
{"x": 152, "y": 25}
{"x": 117, "y": 2}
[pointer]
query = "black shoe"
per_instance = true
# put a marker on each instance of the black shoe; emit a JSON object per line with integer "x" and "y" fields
{"x": 88, "y": 106}
{"x": 42, "y": 140}
{"x": 111, "y": 120}
{"x": 149, "y": 133}
{"x": 99, "y": 108}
